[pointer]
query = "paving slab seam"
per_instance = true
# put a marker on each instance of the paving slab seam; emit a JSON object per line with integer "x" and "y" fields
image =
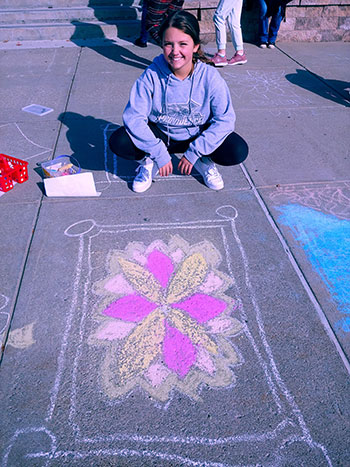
{"x": 315, "y": 75}
{"x": 131, "y": 196}
{"x": 285, "y": 107}
{"x": 299, "y": 272}
{"x": 286, "y": 185}
{"x": 67, "y": 101}
{"x": 33, "y": 230}
{"x": 19, "y": 282}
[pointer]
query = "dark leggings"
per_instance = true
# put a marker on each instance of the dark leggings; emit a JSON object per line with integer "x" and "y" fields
{"x": 232, "y": 151}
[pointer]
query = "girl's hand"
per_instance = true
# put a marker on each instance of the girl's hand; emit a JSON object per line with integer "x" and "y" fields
{"x": 185, "y": 166}
{"x": 166, "y": 170}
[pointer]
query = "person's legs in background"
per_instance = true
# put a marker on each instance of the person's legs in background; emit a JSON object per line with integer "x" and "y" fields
{"x": 142, "y": 40}
{"x": 175, "y": 5}
{"x": 219, "y": 18}
{"x": 157, "y": 11}
{"x": 275, "y": 24}
{"x": 234, "y": 25}
{"x": 263, "y": 24}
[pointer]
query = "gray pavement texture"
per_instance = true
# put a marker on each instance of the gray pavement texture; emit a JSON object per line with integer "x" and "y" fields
{"x": 181, "y": 326}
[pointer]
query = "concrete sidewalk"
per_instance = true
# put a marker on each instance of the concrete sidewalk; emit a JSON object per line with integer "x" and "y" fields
{"x": 235, "y": 350}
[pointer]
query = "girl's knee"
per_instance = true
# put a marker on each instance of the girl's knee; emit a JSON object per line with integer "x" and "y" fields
{"x": 242, "y": 150}
{"x": 117, "y": 139}
{"x": 237, "y": 148}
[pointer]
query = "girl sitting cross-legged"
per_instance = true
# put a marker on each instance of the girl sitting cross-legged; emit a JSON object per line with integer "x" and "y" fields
{"x": 179, "y": 105}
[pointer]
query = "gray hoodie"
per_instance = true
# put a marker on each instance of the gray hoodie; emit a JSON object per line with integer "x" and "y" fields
{"x": 180, "y": 109}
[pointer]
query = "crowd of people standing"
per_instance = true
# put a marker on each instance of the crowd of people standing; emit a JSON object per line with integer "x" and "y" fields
{"x": 227, "y": 15}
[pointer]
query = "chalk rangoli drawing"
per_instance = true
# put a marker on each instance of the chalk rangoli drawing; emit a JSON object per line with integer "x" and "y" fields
{"x": 325, "y": 240}
{"x": 266, "y": 87}
{"x": 319, "y": 218}
{"x": 332, "y": 199}
{"x": 89, "y": 334}
{"x": 167, "y": 318}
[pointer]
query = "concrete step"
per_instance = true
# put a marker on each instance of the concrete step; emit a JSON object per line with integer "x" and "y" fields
{"x": 27, "y": 4}
{"x": 82, "y": 19}
{"x": 69, "y": 31}
{"x": 64, "y": 15}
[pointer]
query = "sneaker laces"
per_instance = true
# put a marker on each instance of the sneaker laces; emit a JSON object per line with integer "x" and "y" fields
{"x": 142, "y": 174}
{"x": 213, "y": 172}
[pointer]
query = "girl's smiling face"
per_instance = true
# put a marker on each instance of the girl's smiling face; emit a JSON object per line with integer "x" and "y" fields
{"x": 178, "y": 50}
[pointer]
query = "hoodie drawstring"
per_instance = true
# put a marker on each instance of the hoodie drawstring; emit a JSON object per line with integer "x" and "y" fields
{"x": 166, "y": 108}
{"x": 189, "y": 102}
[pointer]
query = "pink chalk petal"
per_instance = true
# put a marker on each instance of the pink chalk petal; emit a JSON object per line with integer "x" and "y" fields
{"x": 219, "y": 325}
{"x": 204, "y": 361}
{"x": 177, "y": 256}
{"x": 114, "y": 330}
{"x": 139, "y": 257}
{"x": 118, "y": 284}
{"x": 202, "y": 307}
{"x": 178, "y": 350}
{"x": 156, "y": 374}
{"x": 130, "y": 308}
{"x": 211, "y": 284}
{"x": 160, "y": 266}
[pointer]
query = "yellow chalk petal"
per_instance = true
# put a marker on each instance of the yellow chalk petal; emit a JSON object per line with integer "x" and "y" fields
{"x": 188, "y": 326}
{"x": 141, "y": 280}
{"x": 142, "y": 346}
{"x": 188, "y": 278}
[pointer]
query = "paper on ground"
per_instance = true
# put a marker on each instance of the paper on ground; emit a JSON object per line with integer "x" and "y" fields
{"x": 71, "y": 185}
{"x": 37, "y": 109}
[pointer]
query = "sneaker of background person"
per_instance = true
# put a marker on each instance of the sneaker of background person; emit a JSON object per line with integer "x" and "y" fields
{"x": 271, "y": 45}
{"x": 210, "y": 174}
{"x": 144, "y": 175}
{"x": 218, "y": 60}
{"x": 263, "y": 45}
{"x": 140, "y": 43}
{"x": 238, "y": 59}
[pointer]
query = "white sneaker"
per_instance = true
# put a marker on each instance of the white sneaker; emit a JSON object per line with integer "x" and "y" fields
{"x": 210, "y": 173}
{"x": 143, "y": 179}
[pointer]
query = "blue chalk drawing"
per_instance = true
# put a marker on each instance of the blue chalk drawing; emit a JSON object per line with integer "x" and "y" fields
{"x": 326, "y": 241}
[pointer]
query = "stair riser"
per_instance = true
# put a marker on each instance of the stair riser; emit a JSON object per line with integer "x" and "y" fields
{"x": 67, "y": 31}
{"x": 66, "y": 15}
{"x": 33, "y": 4}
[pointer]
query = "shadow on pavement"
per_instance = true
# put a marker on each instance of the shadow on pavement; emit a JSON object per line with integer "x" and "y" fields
{"x": 116, "y": 53}
{"x": 94, "y": 31}
{"x": 88, "y": 138}
{"x": 335, "y": 90}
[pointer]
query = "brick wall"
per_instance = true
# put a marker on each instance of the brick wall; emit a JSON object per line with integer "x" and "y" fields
{"x": 306, "y": 20}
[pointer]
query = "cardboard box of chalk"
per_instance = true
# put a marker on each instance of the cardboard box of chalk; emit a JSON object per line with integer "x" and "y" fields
{"x": 58, "y": 167}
